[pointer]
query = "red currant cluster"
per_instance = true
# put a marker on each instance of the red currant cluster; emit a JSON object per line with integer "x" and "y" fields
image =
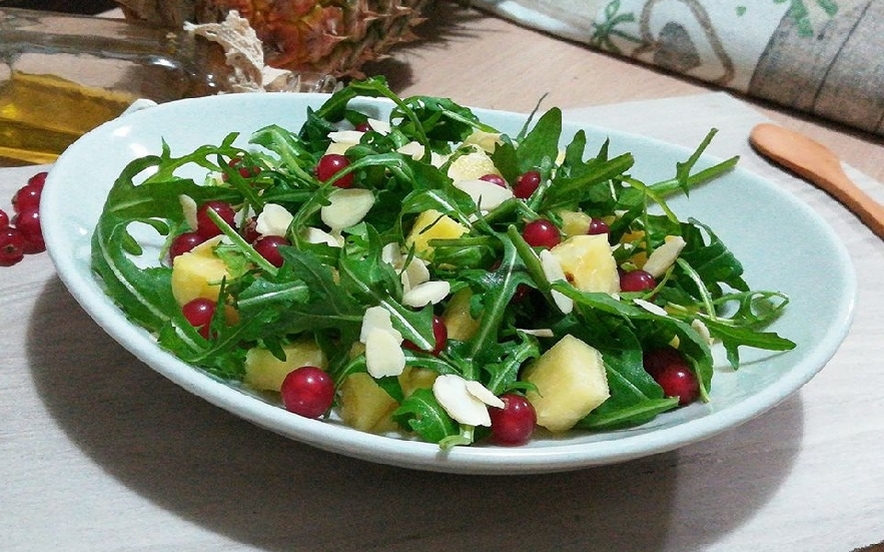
{"x": 22, "y": 234}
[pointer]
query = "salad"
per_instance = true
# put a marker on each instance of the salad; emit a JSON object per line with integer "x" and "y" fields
{"x": 426, "y": 275}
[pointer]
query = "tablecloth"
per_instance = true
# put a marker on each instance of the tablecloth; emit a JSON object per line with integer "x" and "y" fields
{"x": 823, "y": 57}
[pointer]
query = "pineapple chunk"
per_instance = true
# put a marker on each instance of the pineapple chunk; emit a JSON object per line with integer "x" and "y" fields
{"x": 588, "y": 263}
{"x": 365, "y": 405}
{"x": 458, "y": 321}
{"x": 198, "y": 273}
{"x": 574, "y": 223}
{"x": 432, "y": 225}
{"x": 265, "y": 372}
{"x": 411, "y": 379}
{"x": 471, "y": 166}
{"x": 571, "y": 382}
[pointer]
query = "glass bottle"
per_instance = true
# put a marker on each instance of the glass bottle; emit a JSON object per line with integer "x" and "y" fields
{"x": 62, "y": 75}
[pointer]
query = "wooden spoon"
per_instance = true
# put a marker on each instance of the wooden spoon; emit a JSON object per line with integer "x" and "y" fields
{"x": 816, "y": 163}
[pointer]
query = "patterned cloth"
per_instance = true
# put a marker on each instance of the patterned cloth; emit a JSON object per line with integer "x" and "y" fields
{"x": 824, "y": 57}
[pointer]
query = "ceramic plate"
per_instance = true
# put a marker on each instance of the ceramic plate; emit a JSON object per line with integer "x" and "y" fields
{"x": 772, "y": 233}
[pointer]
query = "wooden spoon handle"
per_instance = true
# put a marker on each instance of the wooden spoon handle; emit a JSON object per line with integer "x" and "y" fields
{"x": 816, "y": 163}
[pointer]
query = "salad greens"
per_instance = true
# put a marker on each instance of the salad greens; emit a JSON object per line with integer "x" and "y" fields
{"x": 323, "y": 288}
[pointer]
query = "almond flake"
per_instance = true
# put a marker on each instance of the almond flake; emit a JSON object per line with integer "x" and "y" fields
{"x": 426, "y": 293}
{"x": 552, "y": 269}
{"x": 651, "y": 307}
{"x": 315, "y": 235}
{"x": 454, "y": 397}
{"x": 701, "y": 329}
{"x": 392, "y": 255}
{"x": 539, "y": 332}
{"x": 486, "y": 195}
{"x": 484, "y": 394}
{"x": 381, "y": 127}
{"x": 346, "y": 208}
{"x": 188, "y": 205}
{"x": 377, "y": 318}
{"x": 383, "y": 354}
{"x": 664, "y": 256}
{"x": 415, "y": 274}
{"x": 351, "y": 137}
{"x": 274, "y": 220}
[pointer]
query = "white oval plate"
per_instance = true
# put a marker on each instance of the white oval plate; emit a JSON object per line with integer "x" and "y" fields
{"x": 772, "y": 233}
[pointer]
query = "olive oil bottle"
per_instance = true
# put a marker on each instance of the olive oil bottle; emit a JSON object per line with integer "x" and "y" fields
{"x": 62, "y": 75}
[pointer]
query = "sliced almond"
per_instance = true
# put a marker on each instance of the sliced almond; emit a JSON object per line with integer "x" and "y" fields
{"x": 381, "y": 127}
{"x": 346, "y": 208}
{"x": 188, "y": 205}
{"x": 426, "y": 293}
{"x": 486, "y": 195}
{"x": 415, "y": 274}
{"x": 274, "y": 220}
{"x": 346, "y": 136}
{"x": 452, "y": 394}
{"x": 552, "y": 269}
{"x": 383, "y": 354}
{"x": 664, "y": 256}
{"x": 484, "y": 394}
{"x": 651, "y": 307}
{"x": 377, "y": 318}
{"x": 316, "y": 235}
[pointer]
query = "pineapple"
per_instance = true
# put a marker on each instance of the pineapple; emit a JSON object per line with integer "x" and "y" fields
{"x": 334, "y": 37}
{"x": 571, "y": 382}
{"x": 365, "y": 405}
{"x": 265, "y": 372}
{"x": 588, "y": 263}
{"x": 458, "y": 321}
{"x": 432, "y": 225}
{"x": 198, "y": 273}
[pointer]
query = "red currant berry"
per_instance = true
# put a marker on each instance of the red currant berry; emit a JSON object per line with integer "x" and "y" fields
{"x": 329, "y": 165}
{"x": 268, "y": 247}
{"x": 363, "y": 127}
{"x": 514, "y": 423}
{"x": 28, "y": 223}
{"x": 12, "y": 246}
{"x": 541, "y": 233}
{"x": 308, "y": 391}
{"x": 184, "y": 243}
{"x": 205, "y": 226}
{"x": 199, "y": 312}
{"x": 4, "y": 220}
{"x": 671, "y": 371}
{"x": 38, "y": 180}
{"x": 440, "y": 335}
{"x": 636, "y": 280}
{"x": 526, "y": 184}
{"x": 494, "y": 179}
{"x": 598, "y": 226}
{"x": 27, "y": 198}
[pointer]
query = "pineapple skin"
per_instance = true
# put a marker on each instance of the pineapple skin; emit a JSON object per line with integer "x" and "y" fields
{"x": 327, "y": 37}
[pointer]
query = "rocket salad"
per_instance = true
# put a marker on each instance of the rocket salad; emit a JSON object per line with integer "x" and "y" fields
{"x": 426, "y": 274}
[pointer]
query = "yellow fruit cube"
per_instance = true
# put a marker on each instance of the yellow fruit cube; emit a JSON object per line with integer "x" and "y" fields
{"x": 574, "y": 223}
{"x": 265, "y": 372}
{"x": 198, "y": 273}
{"x": 588, "y": 263}
{"x": 365, "y": 405}
{"x": 471, "y": 166}
{"x": 432, "y": 225}
{"x": 458, "y": 320}
{"x": 411, "y": 379}
{"x": 571, "y": 382}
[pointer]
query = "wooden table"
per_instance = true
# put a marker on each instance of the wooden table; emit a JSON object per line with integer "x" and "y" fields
{"x": 99, "y": 453}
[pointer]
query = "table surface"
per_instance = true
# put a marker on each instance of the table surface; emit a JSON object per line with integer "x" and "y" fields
{"x": 99, "y": 453}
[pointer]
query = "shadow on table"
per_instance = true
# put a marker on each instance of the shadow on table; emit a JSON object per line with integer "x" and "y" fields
{"x": 211, "y": 468}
